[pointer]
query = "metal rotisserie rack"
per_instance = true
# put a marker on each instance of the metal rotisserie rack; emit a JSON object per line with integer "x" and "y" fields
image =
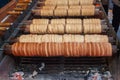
{"x": 61, "y": 40}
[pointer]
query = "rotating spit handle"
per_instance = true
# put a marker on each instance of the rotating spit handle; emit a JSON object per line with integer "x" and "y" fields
{"x": 5, "y": 24}
{"x": 15, "y": 12}
{"x": 3, "y": 28}
{"x": 19, "y": 9}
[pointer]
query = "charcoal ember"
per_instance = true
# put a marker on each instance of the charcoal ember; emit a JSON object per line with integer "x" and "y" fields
{"x": 17, "y": 76}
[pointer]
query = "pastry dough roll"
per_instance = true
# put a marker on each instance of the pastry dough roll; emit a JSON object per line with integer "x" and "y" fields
{"x": 55, "y": 28}
{"x": 91, "y": 21}
{"x": 73, "y": 28}
{"x": 51, "y": 38}
{"x": 92, "y": 28}
{"x": 50, "y": 2}
{"x": 87, "y": 6}
{"x": 86, "y": 2}
{"x": 67, "y": 49}
{"x": 60, "y": 12}
{"x": 79, "y": 38}
{"x": 14, "y": 49}
{"x": 30, "y": 38}
{"x": 62, "y": 7}
{"x": 98, "y": 28}
{"x": 96, "y": 21}
{"x": 67, "y": 38}
{"x": 58, "y": 38}
{"x": 73, "y": 38}
{"x": 57, "y": 21}
{"x": 46, "y": 38}
{"x": 94, "y": 25}
{"x": 46, "y": 12}
{"x": 62, "y": 2}
{"x": 73, "y": 21}
{"x": 36, "y": 12}
{"x": 38, "y": 28}
{"x": 74, "y": 12}
{"x": 86, "y": 21}
{"x": 40, "y": 21}
{"x": 22, "y": 38}
{"x": 109, "y": 49}
{"x": 51, "y": 7}
{"x": 96, "y": 38}
{"x": 75, "y": 7}
{"x": 74, "y": 2}
{"x": 88, "y": 10}
{"x": 86, "y": 28}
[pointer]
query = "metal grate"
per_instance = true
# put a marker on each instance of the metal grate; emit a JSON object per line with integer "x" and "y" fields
{"x": 60, "y": 64}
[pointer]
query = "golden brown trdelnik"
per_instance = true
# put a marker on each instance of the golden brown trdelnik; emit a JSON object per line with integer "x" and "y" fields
{"x": 69, "y": 25}
{"x": 63, "y": 38}
{"x": 68, "y": 2}
{"x": 65, "y": 10}
{"x": 67, "y": 49}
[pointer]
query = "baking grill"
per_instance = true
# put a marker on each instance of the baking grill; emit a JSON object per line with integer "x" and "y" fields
{"x": 56, "y": 68}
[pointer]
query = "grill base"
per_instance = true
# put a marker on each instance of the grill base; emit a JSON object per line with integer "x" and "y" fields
{"x": 61, "y": 68}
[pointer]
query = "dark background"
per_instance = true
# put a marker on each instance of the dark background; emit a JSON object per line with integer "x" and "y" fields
{"x": 3, "y": 2}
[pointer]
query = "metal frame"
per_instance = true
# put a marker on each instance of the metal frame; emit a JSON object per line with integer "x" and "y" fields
{"x": 13, "y": 31}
